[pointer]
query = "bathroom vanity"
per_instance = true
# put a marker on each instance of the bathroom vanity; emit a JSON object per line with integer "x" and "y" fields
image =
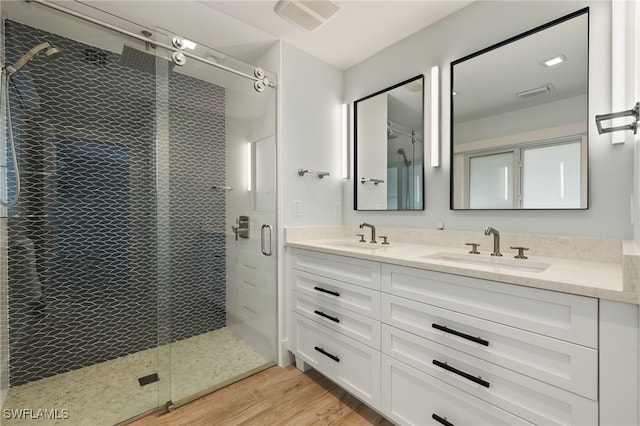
{"x": 426, "y": 333}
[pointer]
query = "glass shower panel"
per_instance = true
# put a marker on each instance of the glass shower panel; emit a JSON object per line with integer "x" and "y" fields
{"x": 81, "y": 233}
{"x": 125, "y": 286}
{"x": 219, "y": 128}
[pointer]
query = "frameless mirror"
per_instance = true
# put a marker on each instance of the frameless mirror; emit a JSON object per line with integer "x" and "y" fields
{"x": 389, "y": 148}
{"x": 519, "y": 120}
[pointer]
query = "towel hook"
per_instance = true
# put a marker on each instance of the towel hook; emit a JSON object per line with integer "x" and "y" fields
{"x": 302, "y": 172}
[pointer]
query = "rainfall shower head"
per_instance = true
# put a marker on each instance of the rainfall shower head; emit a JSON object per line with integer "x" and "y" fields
{"x": 44, "y": 47}
{"x": 404, "y": 155}
{"x": 142, "y": 60}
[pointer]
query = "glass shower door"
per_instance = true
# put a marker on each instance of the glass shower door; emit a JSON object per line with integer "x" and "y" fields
{"x": 118, "y": 289}
{"x": 216, "y": 164}
{"x": 80, "y": 236}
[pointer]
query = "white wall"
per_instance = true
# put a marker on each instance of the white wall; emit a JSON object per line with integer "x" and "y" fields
{"x": 632, "y": 83}
{"x": 372, "y": 162}
{"x": 311, "y": 115}
{"x": 477, "y": 26}
{"x": 633, "y": 95}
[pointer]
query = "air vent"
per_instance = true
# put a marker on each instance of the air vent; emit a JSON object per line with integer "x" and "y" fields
{"x": 547, "y": 88}
{"x": 308, "y": 14}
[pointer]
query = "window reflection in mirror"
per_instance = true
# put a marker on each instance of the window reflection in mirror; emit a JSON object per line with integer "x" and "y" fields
{"x": 519, "y": 121}
{"x": 389, "y": 148}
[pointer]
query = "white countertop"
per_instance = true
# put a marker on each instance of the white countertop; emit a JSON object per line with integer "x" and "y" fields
{"x": 605, "y": 278}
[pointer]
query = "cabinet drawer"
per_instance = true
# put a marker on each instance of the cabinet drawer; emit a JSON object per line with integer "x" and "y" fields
{"x": 321, "y": 289}
{"x": 411, "y": 397}
{"x": 355, "y": 271}
{"x": 563, "y": 364}
{"x": 359, "y": 327}
{"x": 516, "y": 393}
{"x": 559, "y": 315}
{"x": 352, "y": 365}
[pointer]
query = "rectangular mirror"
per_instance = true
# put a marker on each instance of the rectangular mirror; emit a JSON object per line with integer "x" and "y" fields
{"x": 389, "y": 148}
{"x": 519, "y": 120}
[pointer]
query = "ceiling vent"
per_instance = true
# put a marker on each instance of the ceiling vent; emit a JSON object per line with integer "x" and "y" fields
{"x": 309, "y": 14}
{"x": 547, "y": 88}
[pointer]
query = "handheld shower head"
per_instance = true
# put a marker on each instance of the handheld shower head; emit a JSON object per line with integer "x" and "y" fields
{"x": 45, "y": 47}
{"x": 5, "y": 77}
{"x": 52, "y": 51}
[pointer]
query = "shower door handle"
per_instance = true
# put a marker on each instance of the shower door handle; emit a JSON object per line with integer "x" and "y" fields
{"x": 262, "y": 240}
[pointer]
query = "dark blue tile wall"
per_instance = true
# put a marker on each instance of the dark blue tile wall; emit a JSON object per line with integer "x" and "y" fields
{"x": 104, "y": 259}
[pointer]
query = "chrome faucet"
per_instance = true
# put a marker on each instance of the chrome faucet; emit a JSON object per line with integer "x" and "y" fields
{"x": 496, "y": 240}
{"x": 373, "y": 231}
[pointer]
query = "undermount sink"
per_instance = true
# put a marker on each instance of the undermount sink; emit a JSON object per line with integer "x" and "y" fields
{"x": 357, "y": 245}
{"x": 523, "y": 265}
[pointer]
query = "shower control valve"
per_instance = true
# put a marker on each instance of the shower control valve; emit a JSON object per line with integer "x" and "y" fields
{"x": 242, "y": 230}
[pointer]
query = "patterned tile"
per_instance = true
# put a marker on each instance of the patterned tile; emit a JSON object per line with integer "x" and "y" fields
{"x": 106, "y": 259}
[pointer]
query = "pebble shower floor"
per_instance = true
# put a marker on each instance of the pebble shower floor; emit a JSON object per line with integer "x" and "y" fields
{"x": 109, "y": 392}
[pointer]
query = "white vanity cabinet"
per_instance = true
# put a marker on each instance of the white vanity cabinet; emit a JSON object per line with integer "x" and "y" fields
{"x": 432, "y": 348}
{"x": 335, "y": 319}
{"x": 416, "y": 398}
{"x": 530, "y": 352}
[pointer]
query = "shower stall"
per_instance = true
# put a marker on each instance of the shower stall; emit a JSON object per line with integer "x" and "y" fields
{"x": 130, "y": 157}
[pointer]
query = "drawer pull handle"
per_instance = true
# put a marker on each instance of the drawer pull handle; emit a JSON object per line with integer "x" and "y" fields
{"x": 467, "y": 376}
{"x": 459, "y": 334}
{"x": 329, "y": 317}
{"x": 327, "y": 354}
{"x": 441, "y": 420}
{"x": 324, "y": 290}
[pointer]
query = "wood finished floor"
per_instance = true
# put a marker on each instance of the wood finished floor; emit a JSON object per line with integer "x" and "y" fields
{"x": 276, "y": 396}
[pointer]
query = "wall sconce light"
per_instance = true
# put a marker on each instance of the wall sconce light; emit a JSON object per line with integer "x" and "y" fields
{"x": 435, "y": 116}
{"x": 344, "y": 134}
{"x": 249, "y": 166}
{"x": 618, "y": 64}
